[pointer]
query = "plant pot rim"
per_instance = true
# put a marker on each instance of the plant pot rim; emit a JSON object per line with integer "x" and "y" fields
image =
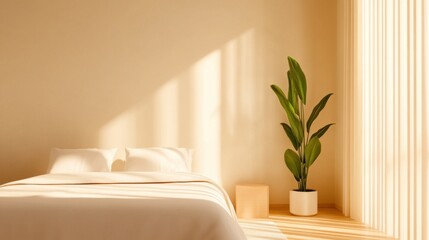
{"x": 308, "y": 190}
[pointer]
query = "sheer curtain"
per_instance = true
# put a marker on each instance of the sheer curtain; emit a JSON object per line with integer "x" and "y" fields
{"x": 384, "y": 117}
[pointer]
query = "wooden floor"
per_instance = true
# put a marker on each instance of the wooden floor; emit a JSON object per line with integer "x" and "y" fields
{"x": 329, "y": 223}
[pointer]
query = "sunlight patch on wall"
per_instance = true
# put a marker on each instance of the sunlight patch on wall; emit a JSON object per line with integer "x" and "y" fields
{"x": 239, "y": 79}
{"x": 206, "y": 80}
{"x": 230, "y": 93}
{"x": 160, "y": 119}
{"x": 246, "y": 73}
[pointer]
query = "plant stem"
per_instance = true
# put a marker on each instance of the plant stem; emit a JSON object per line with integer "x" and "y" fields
{"x": 303, "y": 145}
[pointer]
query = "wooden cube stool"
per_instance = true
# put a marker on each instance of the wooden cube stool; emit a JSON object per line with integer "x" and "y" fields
{"x": 252, "y": 200}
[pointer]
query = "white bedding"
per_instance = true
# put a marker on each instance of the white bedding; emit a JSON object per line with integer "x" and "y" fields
{"x": 117, "y": 205}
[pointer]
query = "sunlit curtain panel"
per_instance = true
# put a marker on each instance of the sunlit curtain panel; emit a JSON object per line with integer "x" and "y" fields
{"x": 384, "y": 114}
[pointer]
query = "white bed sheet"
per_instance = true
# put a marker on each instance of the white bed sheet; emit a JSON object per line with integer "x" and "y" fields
{"x": 117, "y": 205}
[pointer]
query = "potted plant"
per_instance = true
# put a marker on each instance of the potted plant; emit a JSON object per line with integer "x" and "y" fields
{"x": 307, "y": 146}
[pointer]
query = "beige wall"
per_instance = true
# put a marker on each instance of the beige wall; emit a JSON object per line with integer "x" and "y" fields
{"x": 196, "y": 74}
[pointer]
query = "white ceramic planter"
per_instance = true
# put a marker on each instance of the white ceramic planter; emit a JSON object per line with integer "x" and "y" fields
{"x": 303, "y": 203}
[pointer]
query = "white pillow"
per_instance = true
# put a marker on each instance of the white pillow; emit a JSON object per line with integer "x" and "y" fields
{"x": 158, "y": 159}
{"x": 81, "y": 160}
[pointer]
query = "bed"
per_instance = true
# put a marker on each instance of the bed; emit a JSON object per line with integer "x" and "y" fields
{"x": 117, "y": 205}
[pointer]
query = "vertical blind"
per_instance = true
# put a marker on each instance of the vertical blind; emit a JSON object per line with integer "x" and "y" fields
{"x": 385, "y": 115}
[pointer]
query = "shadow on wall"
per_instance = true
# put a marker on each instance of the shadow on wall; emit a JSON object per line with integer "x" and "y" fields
{"x": 149, "y": 73}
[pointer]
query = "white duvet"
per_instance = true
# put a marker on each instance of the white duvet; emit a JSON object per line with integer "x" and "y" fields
{"x": 118, "y": 205}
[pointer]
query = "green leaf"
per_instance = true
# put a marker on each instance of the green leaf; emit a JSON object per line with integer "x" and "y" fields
{"x": 295, "y": 124}
{"x": 321, "y": 131}
{"x": 316, "y": 110}
{"x": 292, "y": 95}
{"x": 293, "y": 163}
{"x": 298, "y": 78}
{"x": 280, "y": 95}
{"x": 292, "y": 138}
{"x": 312, "y": 151}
